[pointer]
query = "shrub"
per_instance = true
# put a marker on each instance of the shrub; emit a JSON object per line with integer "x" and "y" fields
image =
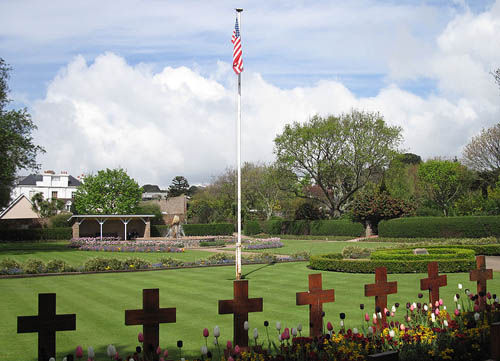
{"x": 214, "y": 243}
{"x": 212, "y": 229}
{"x": 159, "y": 230}
{"x": 435, "y": 254}
{"x": 251, "y": 227}
{"x": 356, "y": 252}
{"x": 136, "y": 263}
{"x": 9, "y": 266}
{"x": 33, "y": 265}
{"x": 298, "y": 227}
{"x": 35, "y": 234}
{"x": 336, "y": 228}
{"x": 273, "y": 226}
{"x": 302, "y": 255}
{"x": 170, "y": 262}
{"x": 102, "y": 264}
{"x": 60, "y": 220}
{"x": 221, "y": 257}
{"x": 441, "y": 227}
{"x": 56, "y": 266}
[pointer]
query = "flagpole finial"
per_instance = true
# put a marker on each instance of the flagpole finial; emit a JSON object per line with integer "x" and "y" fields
{"x": 239, "y": 10}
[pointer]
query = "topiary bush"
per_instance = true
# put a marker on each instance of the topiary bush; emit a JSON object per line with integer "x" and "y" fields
{"x": 339, "y": 227}
{"x": 441, "y": 227}
{"x": 33, "y": 266}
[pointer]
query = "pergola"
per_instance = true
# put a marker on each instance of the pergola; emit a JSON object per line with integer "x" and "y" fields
{"x": 102, "y": 218}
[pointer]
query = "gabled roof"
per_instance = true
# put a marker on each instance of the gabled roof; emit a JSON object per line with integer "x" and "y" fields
{"x": 73, "y": 182}
{"x": 33, "y": 178}
{"x": 13, "y": 204}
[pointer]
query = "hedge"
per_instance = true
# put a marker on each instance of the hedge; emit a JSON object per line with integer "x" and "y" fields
{"x": 252, "y": 227}
{"x": 331, "y": 262}
{"x": 435, "y": 254}
{"x": 339, "y": 227}
{"x": 36, "y": 234}
{"x": 210, "y": 229}
{"x": 441, "y": 227}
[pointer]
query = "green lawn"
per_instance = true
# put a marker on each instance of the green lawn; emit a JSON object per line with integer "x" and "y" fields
{"x": 46, "y": 251}
{"x": 99, "y": 300}
{"x": 319, "y": 247}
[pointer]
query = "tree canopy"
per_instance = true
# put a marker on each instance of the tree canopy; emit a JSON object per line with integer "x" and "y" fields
{"x": 338, "y": 155}
{"x": 179, "y": 186}
{"x": 482, "y": 153}
{"x": 17, "y": 149}
{"x": 111, "y": 191}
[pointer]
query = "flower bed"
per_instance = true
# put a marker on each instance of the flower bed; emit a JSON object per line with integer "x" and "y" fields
{"x": 112, "y": 244}
{"x": 264, "y": 244}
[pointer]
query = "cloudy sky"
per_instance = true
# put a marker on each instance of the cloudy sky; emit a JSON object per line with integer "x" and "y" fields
{"x": 148, "y": 85}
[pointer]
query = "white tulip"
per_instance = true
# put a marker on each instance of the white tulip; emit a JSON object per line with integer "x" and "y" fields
{"x": 455, "y": 299}
{"x": 65, "y": 358}
{"x": 294, "y": 332}
{"x": 459, "y": 286}
{"x": 379, "y": 315}
{"x": 52, "y": 359}
{"x": 204, "y": 350}
{"x": 459, "y": 307}
{"x": 255, "y": 333}
{"x": 216, "y": 331}
{"x": 341, "y": 323}
{"x": 392, "y": 333}
{"x": 477, "y": 316}
{"x": 444, "y": 307}
{"x": 433, "y": 317}
{"x": 355, "y": 331}
{"x": 299, "y": 327}
{"x": 445, "y": 323}
{"x": 370, "y": 329}
{"x": 278, "y": 325}
{"x": 111, "y": 350}
{"x": 414, "y": 305}
{"x": 91, "y": 352}
{"x": 374, "y": 316}
{"x": 246, "y": 326}
{"x": 426, "y": 308}
{"x": 216, "y": 342}
{"x": 393, "y": 309}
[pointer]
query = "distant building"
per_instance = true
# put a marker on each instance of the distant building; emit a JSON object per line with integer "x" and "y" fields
{"x": 152, "y": 191}
{"x": 20, "y": 215}
{"x": 53, "y": 186}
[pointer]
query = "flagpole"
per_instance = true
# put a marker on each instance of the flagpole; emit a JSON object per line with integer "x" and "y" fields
{"x": 238, "y": 136}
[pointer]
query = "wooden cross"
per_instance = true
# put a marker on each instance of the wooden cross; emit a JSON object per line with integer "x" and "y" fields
{"x": 481, "y": 275}
{"x": 380, "y": 289}
{"x": 150, "y": 318}
{"x": 47, "y": 323}
{"x": 315, "y": 298}
{"x": 433, "y": 282}
{"x": 240, "y": 306}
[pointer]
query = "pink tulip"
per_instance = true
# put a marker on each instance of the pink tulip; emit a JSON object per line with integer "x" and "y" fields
{"x": 236, "y": 349}
{"x": 402, "y": 327}
{"x": 375, "y": 321}
{"x": 162, "y": 359}
{"x": 436, "y": 303}
{"x": 329, "y": 326}
{"x": 457, "y": 312}
{"x": 392, "y": 314}
{"x": 79, "y": 351}
{"x": 230, "y": 359}
{"x": 436, "y": 311}
{"x": 117, "y": 356}
{"x": 367, "y": 317}
{"x": 205, "y": 332}
{"x": 229, "y": 345}
{"x": 412, "y": 308}
{"x": 165, "y": 353}
{"x": 158, "y": 350}
{"x": 140, "y": 337}
{"x": 408, "y": 319}
{"x": 287, "y": 333}
{"x": 385, "y": 310}
{"x": 440, "y": 302}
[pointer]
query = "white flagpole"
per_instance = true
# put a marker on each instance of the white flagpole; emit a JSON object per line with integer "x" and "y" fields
{"x": 238, "y": 131}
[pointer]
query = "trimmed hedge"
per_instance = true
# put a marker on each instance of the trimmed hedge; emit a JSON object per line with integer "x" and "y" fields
{"x": 435, "y": 254}
{"x": 331, "y": 262}
{"x": 339, "y": 227}
{"x": 36, "y": 234}
{"x": 441, "y": 227}
{"x": 251, "y": 227}
{"x": 210, "y": 229}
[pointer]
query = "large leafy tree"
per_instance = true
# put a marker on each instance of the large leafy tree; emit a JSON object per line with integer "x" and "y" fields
{"x": 17, "y": 149}
{"x": 110, "y": 191}
{"x": 444, "y": 181}
{"x": 179, "y": 186}
{"x": 339, "y": 155}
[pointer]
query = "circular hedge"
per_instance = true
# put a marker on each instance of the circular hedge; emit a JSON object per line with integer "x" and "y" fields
{"x": 435, "y": 254}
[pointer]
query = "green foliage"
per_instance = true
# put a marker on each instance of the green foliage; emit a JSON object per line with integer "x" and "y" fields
{"x": 170, "y": 262}
{"x": 308, "y": 211}
{"x": 444, "y": 181}
{"x": 273, "y": 226}
{"x": 298, "y": 227}
{"x": 46, "y": 207}
{"x": 356, "y": 252}
{"x": 102, "y": 264}
{"x": 36, "y": 234}
{"x": 251, "y": 227}
{"x": 179, "y": 186}
{"x": 159, "y": 230}
{"x": 331, "y": 262}
{"x": 435, "y": 253}
{"x": 8, "y": 265}
{"x": 215, "y": 243}
{"x": 60, "y": 220}
{"x": 441, "y": 227}
{"x": 136, "y": 263}
{"x": 338, "y": 155}
{"x": 482, "y": 153}
{"x": 151, "y": 208}
{"x": 336, "y": 228}
{"x": 111, "y": 191}
{"x": 33, "y": 266}
{"x": 57, "y": 266}
{"x": 17, "y": 150}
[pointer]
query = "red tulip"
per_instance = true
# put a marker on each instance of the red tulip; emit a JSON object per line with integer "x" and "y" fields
{"x": 457, "y": 312}
{"x": 158, "y": 350}
{"x": 476, "y": 308}
{"x": 165, "y": 353}
{"x": 367, "y": 317}
{"x": 117, "y": 356}
{"x": 205, "y": 332}
{"x": 329, "y": 326}
{"x": 79, "y": 351}
{"x": 140, "y": 337}
{"x": 229, "y": 345}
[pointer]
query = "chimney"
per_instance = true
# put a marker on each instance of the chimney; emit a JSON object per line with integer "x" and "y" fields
{"x": 49, "y": 172}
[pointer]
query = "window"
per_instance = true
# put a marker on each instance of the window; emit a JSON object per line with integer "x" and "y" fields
{"x": 73, "y": 195}
{"x": 54, "y": 195}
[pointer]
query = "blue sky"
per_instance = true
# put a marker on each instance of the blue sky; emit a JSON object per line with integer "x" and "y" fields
{"x": 78, "y": 67}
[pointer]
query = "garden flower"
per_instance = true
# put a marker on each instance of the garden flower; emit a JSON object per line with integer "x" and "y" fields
{"x": 65, "y": 358}
{"x": 355, "y": 331}
{"x": 455, "y": 299}
{"x": 205, "y": 332}
{"x": 342, "y": 315}
{"x": 433, "y": 317}
{"x": 374, "y": 316}
{"x": 255, "y": 333}
{"x": 402, "y": 327}
{"x": 299, "y": 327}
{"x": 204, "y": 350}
{"x": 230, "y": 359}
{"x": 414, "y": 305}
{"x": 237, "y": 349}
{"x": 294, "y": 332}
{"x": 459, "y": 286}
{"x": 425, "y": 307}
{"x": 476, "y": 308}
{"x": 140, "y": 337}
{"x": 477, "y": 316}
{"x": 497, "y": 300}
{"x": 165, "y": 353}
{"x": 459, "y": 306}
{"x": 393, "y": 309}
{"x": 361, "y": 306}
{"x": 179, "y": 343}
{"x": 392, "y": 314}
{"x": 216, "y": 342}
{"x": 370, "y": 329}
{"x": 412, "y": 308}
{"x": 162, "y": 359}
{"x": 111, "y": 350}
{"x": 457, "y": 312}
{"x": 158, "y": 350}
{"x": 329, "y": 326}
{"x": 441, "y": 302}
{"x": 341, "y": 323}
{"x": 436, "y": 311}
{"x": 246, "y": 326}
{"x": 117, "y": 356}
{"x": 392, "y": 333}
{"x": 445, "y": 323}
{"x": 286, "y": 333}
{"x": 79, "y": 351}
{"x": 420, "y": 295}
{"x": 278, "y": 326}
{"x": 367, "y": 317}
{"x": 216, "y": 331}
{"x": 408, "y": 318}
{"x": 379, "y": 315}
{"x": 467, "y": 292}
{"x": 91, "y": 352}
{"x": 52, "y": 359}
{"x": 229, "y": 345}
{"x": 266, "y": 323}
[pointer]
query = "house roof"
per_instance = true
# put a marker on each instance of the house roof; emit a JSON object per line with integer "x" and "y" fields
{"x": 33, "y": 178}
{"x": 13, "y": 204}
{"x": 151, "y": 188}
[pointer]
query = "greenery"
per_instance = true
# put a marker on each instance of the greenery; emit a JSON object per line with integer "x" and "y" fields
{"x": 441, "y": 227}
{"x": 100, "y": 300}
{"x": 342, "y": 227}
{"x": 356, "y": 252}
{"x": 17, "y": 149}
{"x": 179, "y": 186}
{"x": 213, "y": 229}
{"x": 332, "y": 262}
{"x": 110, "y": 191}
{"x": 46, "y": 207}
{"x": 251, "y": 227}
{"x": 482, "y": 152}
{"x": 217, "y": 243}
{"x": 36, "y": 234}
{"x": 60, "y": 220}
{"x": 434, "y": 254}
{"x": 151, "y": 208}
{"x": 334, "y": 157}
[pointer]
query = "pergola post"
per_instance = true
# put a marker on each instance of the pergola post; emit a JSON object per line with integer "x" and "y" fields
{"x": 125, "y": 222}
{"x": 101, "y": 222}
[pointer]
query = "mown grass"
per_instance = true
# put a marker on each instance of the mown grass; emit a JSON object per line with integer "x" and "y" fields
{"x": 99, "y": 300}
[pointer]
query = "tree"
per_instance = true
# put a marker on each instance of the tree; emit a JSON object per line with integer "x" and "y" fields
{"x": 483, "y": 151}
{"x": 17, "y": 150}
{"x": 178, "y": 187}
{"x": 444, "y": 181}
{"x": 46, "y": 208}
{"x": 339, "y": 155}
{"x": 111, "y": 191}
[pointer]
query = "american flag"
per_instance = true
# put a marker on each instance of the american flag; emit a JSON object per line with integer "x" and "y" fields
{"x": 237, "y": 53}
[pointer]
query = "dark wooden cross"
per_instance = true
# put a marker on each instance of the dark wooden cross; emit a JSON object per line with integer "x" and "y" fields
{"x": 47, "y": 323}
{"x": 433, "y": 282}
{"x": 481, "y": 275}
{"x": 150, "y": 318}
{"x": 380, "y": 289}
{"x": 240, "y": 306}
{"x": 315, "y": 298}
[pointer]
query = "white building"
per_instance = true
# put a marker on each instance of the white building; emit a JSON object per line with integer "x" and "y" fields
{"x": 53, "y": 186}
